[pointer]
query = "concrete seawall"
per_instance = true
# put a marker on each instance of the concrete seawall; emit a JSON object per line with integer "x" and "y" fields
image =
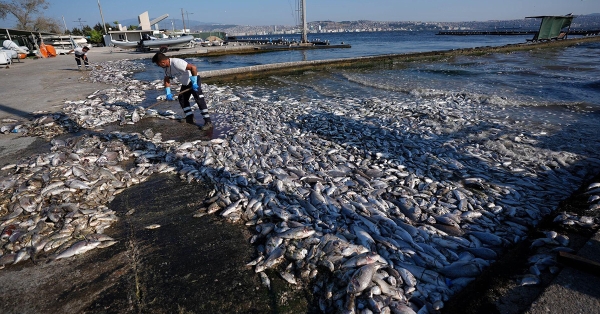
{"x": 258, "y": 71}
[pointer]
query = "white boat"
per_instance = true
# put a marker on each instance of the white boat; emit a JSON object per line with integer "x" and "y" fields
{"x": 125, "y": 44}
{"x": 64, "y": 43}
{"x": 175, "y": 42}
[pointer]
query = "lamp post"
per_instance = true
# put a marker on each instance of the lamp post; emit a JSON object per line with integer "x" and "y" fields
{"x": 183, "y": 20}
{"x": 188, "y": 18}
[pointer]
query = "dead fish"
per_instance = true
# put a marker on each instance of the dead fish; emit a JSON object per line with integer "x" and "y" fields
{"x": 78, "y": 248}
{"x": 264, "y": 279}
{"x": 77, "y": 184}
{"x": 297, "y": 233}
{"x": 273, "y": 259}
{"x": 361, "y": 278}
{"x": 488, "y": 238}
{"x": 461, "y": 269}
{"x": 287, "y": 276}
{"x": 135, "y": 116}
{"x": 152, "y": 226}
{"x": 530, "y": 279}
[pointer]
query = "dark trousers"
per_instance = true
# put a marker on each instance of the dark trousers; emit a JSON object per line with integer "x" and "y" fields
{"x": 184, "y": 101}
{"x": 79, "y": 58}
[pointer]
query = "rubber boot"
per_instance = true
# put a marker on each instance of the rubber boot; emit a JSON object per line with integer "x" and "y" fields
{"x": 207, "y": 125}
{"x": 190, "y": 119}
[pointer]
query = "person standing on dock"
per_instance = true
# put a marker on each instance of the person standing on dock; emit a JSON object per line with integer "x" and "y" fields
{"x": 81, "y": 54}
{"x": 187, "y": 74}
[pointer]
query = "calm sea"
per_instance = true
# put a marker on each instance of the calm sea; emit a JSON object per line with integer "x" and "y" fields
{"x": 560, "y": 76}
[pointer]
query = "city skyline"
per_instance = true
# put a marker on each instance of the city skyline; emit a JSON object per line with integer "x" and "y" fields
{"x": 277, "y": 12}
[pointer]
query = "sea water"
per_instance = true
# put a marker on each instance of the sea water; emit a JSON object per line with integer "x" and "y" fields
{"x": 565, "y": 76}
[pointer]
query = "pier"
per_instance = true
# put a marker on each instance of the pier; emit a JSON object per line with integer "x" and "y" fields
{"x": 250, "y": 48}
{"x": 513, "y": 32}
{"x": 495, "y": 32}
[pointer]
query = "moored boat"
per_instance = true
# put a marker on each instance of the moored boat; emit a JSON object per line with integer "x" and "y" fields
{"x": 175, "y": 42}
{"x": 125, "y": 44}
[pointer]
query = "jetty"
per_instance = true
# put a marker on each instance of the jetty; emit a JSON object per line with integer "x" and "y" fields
{"x": 481, "y": 32}
{"x": 581, "y": 32}
{"x": 551, "y": 27}
{"x": 248, "y": 48}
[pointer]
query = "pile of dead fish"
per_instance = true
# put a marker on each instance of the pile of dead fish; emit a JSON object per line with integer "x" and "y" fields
{"x": 373, "y": 194}
{"x": 543, "y": 259}
{"x": 380, "y": 205}
{"x": 593, "y": 190}
{"x": 590, "y": 221}
{"x": 546, "y": 248}
{"x": 102, "y": 107}
{"x": 55, "y": 203}
{"x": 117, "y": 73}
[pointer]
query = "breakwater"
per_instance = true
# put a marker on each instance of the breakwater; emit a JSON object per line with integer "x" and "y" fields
{"x": 257, "y": 71}
{"x": 514, "y": 32}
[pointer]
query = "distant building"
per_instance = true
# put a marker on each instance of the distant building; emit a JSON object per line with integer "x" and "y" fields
{"x": 144, "y": 28}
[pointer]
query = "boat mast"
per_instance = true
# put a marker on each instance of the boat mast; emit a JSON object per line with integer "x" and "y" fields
{"x": 102, "y": 17}
{"x": 73, "y": 45}
{"x": 66, "y": 29}
{"x": 304, "y": 29}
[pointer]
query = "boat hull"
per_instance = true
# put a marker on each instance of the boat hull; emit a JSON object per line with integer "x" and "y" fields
{"x": 169, "y": 42}
{"x": 178, "y": 42}
{"x": 125, "y": 44}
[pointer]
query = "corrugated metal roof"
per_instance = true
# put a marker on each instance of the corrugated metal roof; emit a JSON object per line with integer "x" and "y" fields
{"x": 15, "y": 32}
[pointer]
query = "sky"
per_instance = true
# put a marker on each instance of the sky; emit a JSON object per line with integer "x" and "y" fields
{"x": 283, "y": 12}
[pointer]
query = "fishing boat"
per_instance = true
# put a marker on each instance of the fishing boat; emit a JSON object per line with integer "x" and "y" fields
{"x": 171, "y": 43}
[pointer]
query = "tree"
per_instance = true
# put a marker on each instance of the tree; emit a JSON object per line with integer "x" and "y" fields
{"x": 46, "y": 24}
{"x": 76, "y": 31}
{"x": 101, "y": 28}
{"x": 24, "y": 11}
{"x": 96, "y": 36}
